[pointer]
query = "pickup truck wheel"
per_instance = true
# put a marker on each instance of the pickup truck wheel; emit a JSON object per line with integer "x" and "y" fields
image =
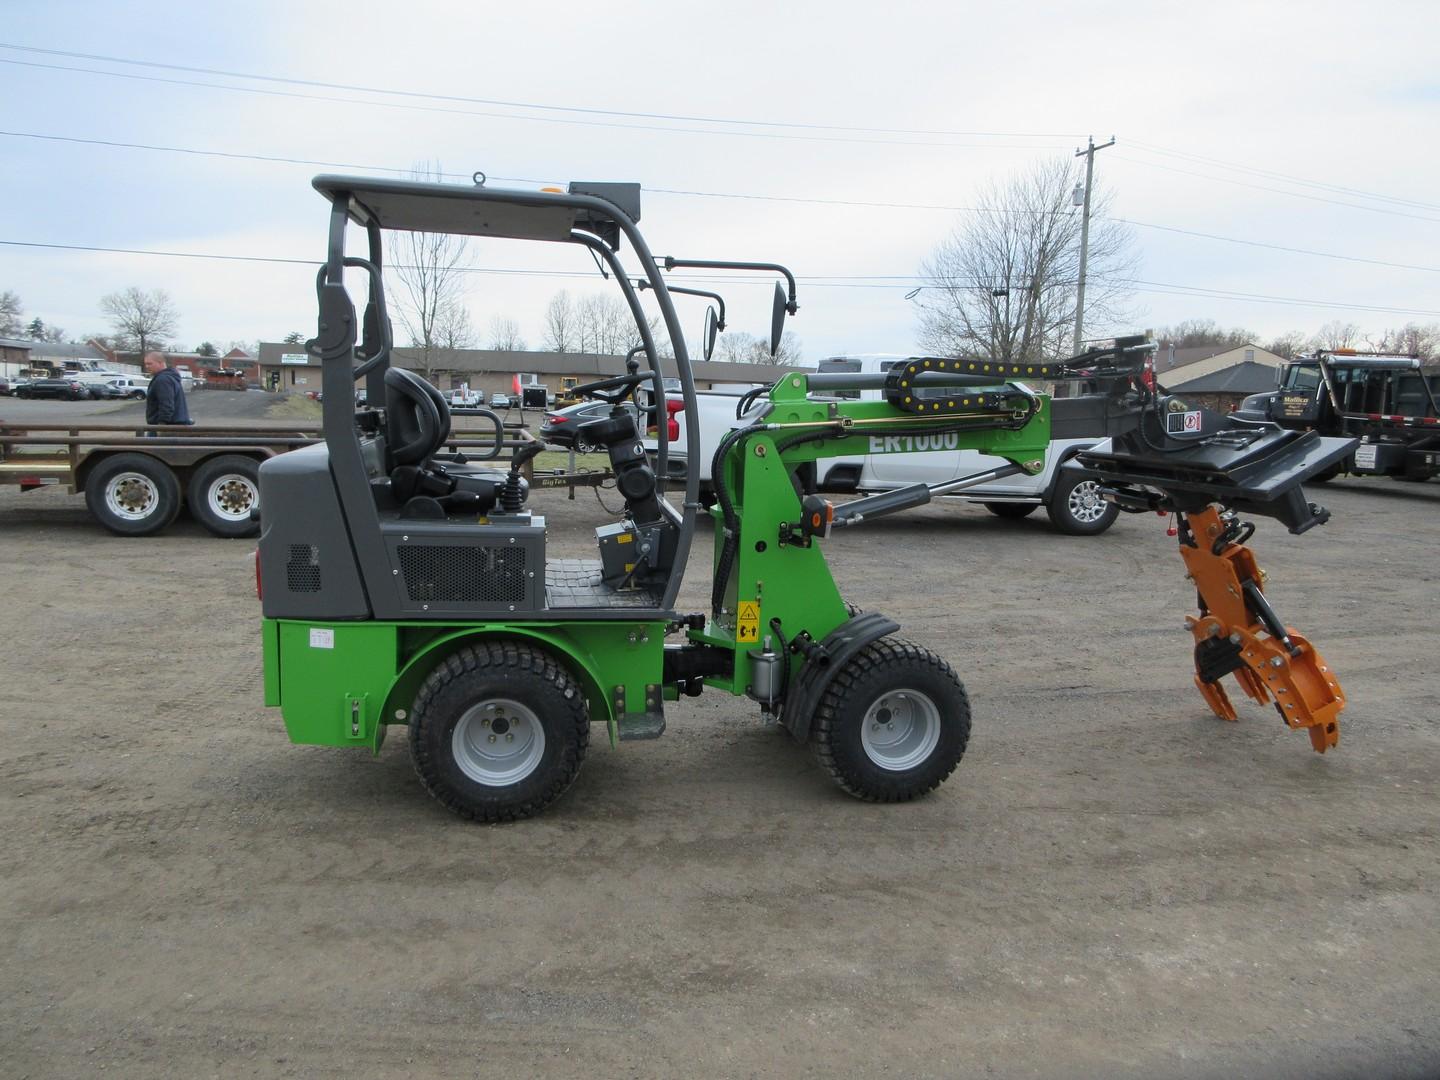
{"x": 222, "y": 493}
{"x": 132, "y": 494}
{"x": 1076, "y": 508}
{"x": 893, "y": 723}
{"x": 1011, "y": 511}
{"x": 499, "y": 731}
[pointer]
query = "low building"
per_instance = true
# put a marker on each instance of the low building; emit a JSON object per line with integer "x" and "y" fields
{"x": 1174, "y": 364}
{"x": 494, "y": 371}
{"x": 14, "y": 357}
{"x": 1225, "y": 389}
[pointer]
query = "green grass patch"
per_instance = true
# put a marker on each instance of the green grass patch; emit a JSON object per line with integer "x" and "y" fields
{"x": 295, "y": 407}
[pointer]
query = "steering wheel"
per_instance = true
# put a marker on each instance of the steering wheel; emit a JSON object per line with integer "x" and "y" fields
{"x": 613, "y": 391}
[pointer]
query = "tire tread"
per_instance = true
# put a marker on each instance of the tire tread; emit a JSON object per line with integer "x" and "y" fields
{"x": 511, "y": 656}
{"x": 888, "y": 655}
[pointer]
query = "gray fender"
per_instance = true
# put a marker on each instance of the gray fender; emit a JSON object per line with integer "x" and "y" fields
{"x": 842, "y": 643}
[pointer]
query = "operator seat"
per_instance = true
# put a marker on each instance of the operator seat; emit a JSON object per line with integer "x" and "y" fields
{"x": 417, "y": 421}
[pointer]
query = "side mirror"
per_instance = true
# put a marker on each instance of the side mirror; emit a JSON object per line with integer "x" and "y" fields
{"x": 707, "y": 336}
{"x": 777, "y": 318}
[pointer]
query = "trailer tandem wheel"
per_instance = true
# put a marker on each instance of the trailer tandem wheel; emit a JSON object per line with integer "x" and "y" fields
{"x": 499, "y": 731}
{"x": 133, "y": 494}
{"x": 222, "y": 493}
{"x": 893, "y": 722}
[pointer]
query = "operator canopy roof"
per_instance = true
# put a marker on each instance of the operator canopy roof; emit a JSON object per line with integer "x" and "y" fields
{"x": 511, "y": 213}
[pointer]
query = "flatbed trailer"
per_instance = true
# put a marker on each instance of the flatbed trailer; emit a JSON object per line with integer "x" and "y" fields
{"x": 137, "y": 477}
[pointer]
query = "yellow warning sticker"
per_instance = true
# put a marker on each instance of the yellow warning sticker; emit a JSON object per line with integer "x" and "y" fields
{"x": 747, "y": 622}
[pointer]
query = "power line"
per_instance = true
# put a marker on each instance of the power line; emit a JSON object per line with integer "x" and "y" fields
{"x": 901, "y": 281}
{"x": 1274, "y": 191}
{"x": 1183, "y": 155}
{"x": 589, "y": 110}
{"x": 811, "y": 200}
{"x": 524, "y": 119}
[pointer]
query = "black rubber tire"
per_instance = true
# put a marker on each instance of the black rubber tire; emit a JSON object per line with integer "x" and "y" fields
{"x": 883, "y": 667}
{"x": 166, "y": 494}
{"x": 219, "y": 470}
{"x": 138, "y": 395}
{"x": 517, "y": 671}
{"x": 1058, "y": 507}
{"x": 1011, "y": 511}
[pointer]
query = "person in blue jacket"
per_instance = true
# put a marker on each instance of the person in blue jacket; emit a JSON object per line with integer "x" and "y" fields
{"x": 165, "y": 400}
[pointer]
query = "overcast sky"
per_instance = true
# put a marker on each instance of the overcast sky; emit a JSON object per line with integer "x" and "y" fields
{"x": 1308, "y": 126}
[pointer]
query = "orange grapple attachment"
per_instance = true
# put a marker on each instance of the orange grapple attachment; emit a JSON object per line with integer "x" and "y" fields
{"x": 1238, "y": 632}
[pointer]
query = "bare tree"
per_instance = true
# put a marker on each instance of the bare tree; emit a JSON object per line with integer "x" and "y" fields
{"x": 1336, "y": 335}
{"x": 606, "y": 326}
{"x": 738, "y": 347}
{"x": 142, "y": 320}
{"x": 561, "y": 330}
{"x": 1288, "y": 345}
{"x": 1002, "y": 285}
{"x": 430, "y": 267}
{"x": 453, "y": 329}
{"x": 1411, "y": 340}
{"x": 11, "y": 311}
{"x": 1194, "y": 332}
{"x": 505, "y": 335}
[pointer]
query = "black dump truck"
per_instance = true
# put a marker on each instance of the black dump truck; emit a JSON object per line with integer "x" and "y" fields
{"x": 1386, "y": 401}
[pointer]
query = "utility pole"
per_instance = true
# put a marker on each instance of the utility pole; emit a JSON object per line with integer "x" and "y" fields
{"x": 1089, "y": 153}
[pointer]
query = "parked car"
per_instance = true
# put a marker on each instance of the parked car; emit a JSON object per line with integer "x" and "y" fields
{"x": 64, "y": 386}
{"x": 561, "y": 428}
{"x": 6, "y": 386}
{"x": 465, "y": 399}
{"x": 123, "y": 386}
{"x": 500, "y": 401}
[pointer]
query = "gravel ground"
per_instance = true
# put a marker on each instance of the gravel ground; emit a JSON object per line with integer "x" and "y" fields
{"x": 1113, "y": 883}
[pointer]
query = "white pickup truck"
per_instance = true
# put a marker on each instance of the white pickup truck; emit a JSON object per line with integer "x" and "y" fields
{"x": 1072, "y": 501}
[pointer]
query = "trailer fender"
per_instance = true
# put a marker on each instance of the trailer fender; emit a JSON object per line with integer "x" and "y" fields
{"x": 407, "y": 683}
{"x": 839, "y": 646}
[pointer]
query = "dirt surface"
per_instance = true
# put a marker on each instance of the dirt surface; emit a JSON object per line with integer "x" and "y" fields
{"x": 1113, "y": 883}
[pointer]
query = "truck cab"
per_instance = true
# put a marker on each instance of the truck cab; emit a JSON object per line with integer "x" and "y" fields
{"x": 1388, "y": 401}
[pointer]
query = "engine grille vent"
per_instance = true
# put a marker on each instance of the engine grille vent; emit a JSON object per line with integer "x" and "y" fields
{"x": 302, "y": 569}
{"x": 449, "y": 573}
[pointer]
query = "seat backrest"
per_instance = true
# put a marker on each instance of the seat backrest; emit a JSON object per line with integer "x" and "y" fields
{"x": 416, "y": 416}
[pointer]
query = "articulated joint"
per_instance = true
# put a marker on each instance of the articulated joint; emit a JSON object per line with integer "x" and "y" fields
{"x": 1238, "y": 632}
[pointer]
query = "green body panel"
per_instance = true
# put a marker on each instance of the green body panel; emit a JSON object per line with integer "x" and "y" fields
{"x": 340, "y": 683}
{"x": 791, "y": 581}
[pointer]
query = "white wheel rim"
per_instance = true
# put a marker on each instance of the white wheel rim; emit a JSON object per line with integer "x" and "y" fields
{"x": 1085, "y": 502}
{"x": 132, "y": 496}
{"x": 900, "y": 730}
{"x": 232, "y": 496}
{"x": 498, "y": 742}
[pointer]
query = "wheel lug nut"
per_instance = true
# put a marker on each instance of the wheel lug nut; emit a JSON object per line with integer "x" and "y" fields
{"x": 509, "y": 738}
{"x": 889, "y": 727}
{"x": 874, "y": 727}
{"x": 485, "y": 722}
{"x": 492, "y": 738}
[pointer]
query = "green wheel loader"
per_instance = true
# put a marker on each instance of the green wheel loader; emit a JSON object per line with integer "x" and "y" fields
{"x": 406, "y": 585}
